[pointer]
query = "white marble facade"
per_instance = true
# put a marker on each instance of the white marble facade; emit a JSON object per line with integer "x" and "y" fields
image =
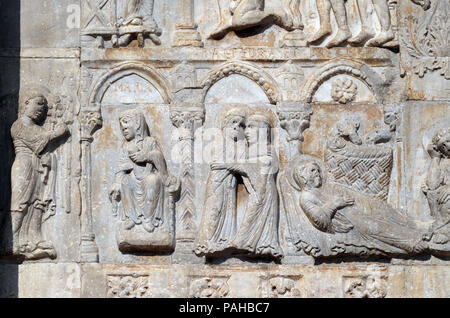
{"x": 225, "y": 148}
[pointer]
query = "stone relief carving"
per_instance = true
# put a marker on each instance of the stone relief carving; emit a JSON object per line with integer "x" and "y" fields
{"x": 365, "y": 286}
{"x": 344, "y": 35}
{"x": 244, "y": 14}
{"x": 290, "y": 77}
{"x": 187, "y": 119}
{"x": 355, "y": 223}
{"x": 425, "y": 39}
{"x": 127, "y": 286}
{"x": 264, "y": 80}
{"x": 131, "y": 20}
{"x": 437, "y": 187}
{"x": 364, "y": 168}
{"x": 209, "y": 287}
{"x": 280, "y": 287}
{"x": 186, "y": 33}
{"x": 295, "y": 119}
{"x": 257, "y": 235}
{"x": 33, "y": 174}
{"x": 344, "y": 91}
{"x": 143, "y": 190}
{"x": 183, "y": 76}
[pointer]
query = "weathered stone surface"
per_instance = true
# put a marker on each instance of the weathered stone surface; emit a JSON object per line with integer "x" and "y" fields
{"x": 224, "y": 148}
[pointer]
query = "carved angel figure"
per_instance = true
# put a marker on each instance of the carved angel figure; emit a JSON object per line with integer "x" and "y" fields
{"x": 344, "y": 221}
{"x": 142, "y": 180}
{"x": 437, "y": 187}
{"x": 32, "y": 177}
{"x": 251, "y": 13}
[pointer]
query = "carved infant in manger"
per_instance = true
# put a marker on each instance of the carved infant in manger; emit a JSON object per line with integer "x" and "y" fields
{"x": 327, "y": 219}
{"x": 143, "y": 189}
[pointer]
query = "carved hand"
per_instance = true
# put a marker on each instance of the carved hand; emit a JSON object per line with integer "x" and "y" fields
{"x": 344, "y": 202}
{"x": 139, "y": 157}
{"x": 61, "y": 129}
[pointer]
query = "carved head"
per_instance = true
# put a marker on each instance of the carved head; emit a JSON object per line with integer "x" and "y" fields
{"x": 308, "y": 175}
{"x": 233, "y": 124}
{"x": 441, "y": 142}
{"x": 33, "y": 104}
{"x": 348, "y": 129}
{"x": 133, "y": 125}
{"x": 258, "y": 129}
{"x": 391, "y": 118}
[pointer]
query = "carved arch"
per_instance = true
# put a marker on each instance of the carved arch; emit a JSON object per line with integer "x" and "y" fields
{"x": 338, "y": 67}
{"x": 144, "y": 71}
{"x": 251, "y": 71}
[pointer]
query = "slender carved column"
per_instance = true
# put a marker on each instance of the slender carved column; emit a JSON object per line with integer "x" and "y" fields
{"x": 294, "y": 118}
{"x": 187, "y": 120}
{"x": 90, "y": 122}
{"x": 186, "y": 33}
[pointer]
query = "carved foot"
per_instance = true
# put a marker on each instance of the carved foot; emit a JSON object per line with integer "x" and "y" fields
{"x": 124, "y": 40}
{"x": 319, "y": 35}
{"x": 361, "y": 38}
{"x": 39, "y": 251}
{"x": 381, "y": 39}
{"x": 284, "y": 21}
{"x": 439, "y": 238}
{"x": 220, "y": 32}
{"x": 128, "y": 225}
{"x": 341, "y": 37}
{"x": 155, "y": 39}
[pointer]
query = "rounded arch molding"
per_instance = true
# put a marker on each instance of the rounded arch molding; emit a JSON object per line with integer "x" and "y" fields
{"x": 341, "y": 67}
{"x": 120, "y": 71}
{"x": 251, "y": 71}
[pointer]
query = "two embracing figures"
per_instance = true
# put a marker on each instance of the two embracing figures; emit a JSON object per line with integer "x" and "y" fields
{"x": 246, "y": 146}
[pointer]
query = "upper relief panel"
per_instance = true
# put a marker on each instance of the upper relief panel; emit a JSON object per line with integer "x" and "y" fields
{"x": 425, "y": 48}
{"x": 240, "y": 23}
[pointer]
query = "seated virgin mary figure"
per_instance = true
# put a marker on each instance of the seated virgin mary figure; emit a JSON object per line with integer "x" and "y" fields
{"x": 142, "y": 181}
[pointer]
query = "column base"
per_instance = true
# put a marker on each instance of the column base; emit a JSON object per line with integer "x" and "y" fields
{"x": 294, "y": 39}
{"x": 187, "y": 36}
{"x": 89, "y": 249}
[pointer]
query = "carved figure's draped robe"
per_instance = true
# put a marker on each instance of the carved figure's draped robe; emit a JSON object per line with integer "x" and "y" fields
{"x": 258, "y": 232}
{"x": 370, "y": 223}
{"x": 218, "y": 225}
{"x": 143, "y": 185}
{"x": 32, "y": 182}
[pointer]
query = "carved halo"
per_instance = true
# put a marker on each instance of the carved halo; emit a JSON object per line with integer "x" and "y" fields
{"x": 252, "y": 72}
{"x": 148, "y": 73}
{"x": 334, "y": 68}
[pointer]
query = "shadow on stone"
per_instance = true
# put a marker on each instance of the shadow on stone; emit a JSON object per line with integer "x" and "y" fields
{"x": 10, "y": 45}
